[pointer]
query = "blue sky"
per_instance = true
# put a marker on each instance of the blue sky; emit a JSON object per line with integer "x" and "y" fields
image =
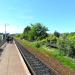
{"x": 57, "y": 15}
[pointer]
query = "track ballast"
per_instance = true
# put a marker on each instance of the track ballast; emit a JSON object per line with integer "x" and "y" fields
{"x": 35, "y": 66}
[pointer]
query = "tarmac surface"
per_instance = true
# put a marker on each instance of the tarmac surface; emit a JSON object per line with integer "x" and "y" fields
{"x": 11, "y": 62}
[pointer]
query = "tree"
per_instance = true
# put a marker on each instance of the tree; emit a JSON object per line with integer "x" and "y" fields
{"x": 26, "y": 32}
{"x": 57, "y": 34}
{"x": 39, "y": 31}
{"x": 35, "y": 32}
{"x": 27, "y": 29}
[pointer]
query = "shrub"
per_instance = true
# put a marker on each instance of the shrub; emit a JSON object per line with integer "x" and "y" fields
{"x": 62, "y": 44}
{"x": 66, "y": 46}
{"x": 52, "y": 41}
{"x": 37, "y": 44}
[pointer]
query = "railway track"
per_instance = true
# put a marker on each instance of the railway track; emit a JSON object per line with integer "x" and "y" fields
{"x": 35, "y": 66}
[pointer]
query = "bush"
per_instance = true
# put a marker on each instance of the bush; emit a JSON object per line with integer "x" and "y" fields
{"x": 72, "y": 49}
{"x": 57, "y": 34}
{"x": 51, "y": 41}
{"x": 37, "y": 44}
{"x": 66, "y": 46}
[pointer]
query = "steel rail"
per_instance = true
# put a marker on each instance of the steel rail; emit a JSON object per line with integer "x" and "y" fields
{"x": 35, "y": 66}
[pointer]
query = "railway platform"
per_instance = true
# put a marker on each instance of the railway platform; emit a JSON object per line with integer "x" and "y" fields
{"x": 11, "y": 62}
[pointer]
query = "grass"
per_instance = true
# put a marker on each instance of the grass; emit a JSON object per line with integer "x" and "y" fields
{"x": 65, "y": 60}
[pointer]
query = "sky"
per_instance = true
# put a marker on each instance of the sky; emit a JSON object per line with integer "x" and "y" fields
{"x": 57, "y": 15}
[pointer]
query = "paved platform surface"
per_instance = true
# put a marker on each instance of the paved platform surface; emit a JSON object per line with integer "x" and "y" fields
{"x": 11, "y": 62}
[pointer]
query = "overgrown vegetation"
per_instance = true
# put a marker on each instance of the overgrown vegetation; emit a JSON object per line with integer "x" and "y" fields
{"x": 35, "y": 32}
{"x": 61, "y": 46}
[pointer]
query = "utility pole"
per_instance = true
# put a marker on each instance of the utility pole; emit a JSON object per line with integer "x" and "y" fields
{"x": 5, "y": 28}
{"x": 5, "y": 31}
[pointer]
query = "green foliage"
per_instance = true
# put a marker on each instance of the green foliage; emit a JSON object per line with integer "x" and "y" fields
{"x": 39, "y": 31}
{"x": 35, "y": 32}
{"x": 52, "y": 41}
{"x": 38, "y": 44}
{"x": 72, "y": 49}
{"x": 66, "y": 46}
{"x": 26, "y": 32}
{"x": 67, "y": 61}
{"x": 44, "y": 41}
{"x": 57, "y": 34}
{"x": 63, "y": 45}
{"x": 27, "y": 29}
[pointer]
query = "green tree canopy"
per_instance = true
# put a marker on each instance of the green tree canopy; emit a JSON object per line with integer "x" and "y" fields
{"x": 27, "y": 29}
{"x": 35, "y": 32}
{"x": 39, "y": 31}
{"x": 57, "y": 34}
